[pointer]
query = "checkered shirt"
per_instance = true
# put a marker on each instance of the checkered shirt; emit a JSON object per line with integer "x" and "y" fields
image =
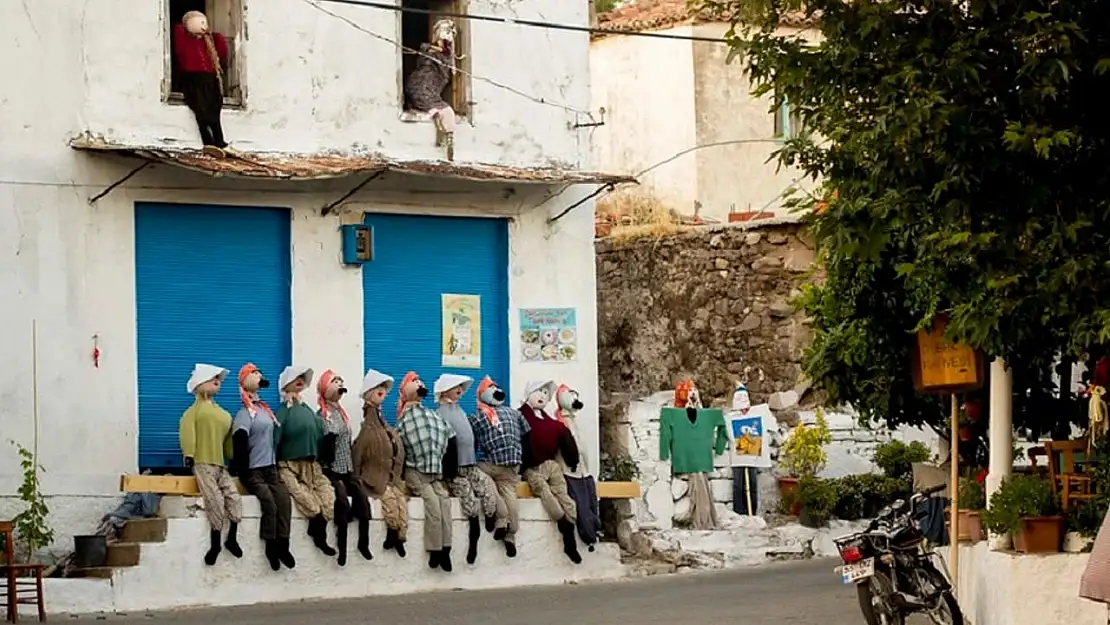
{"x": 337, "y": 425}
{"x": 425, "y": 435}
{"x": 500, "y": 444}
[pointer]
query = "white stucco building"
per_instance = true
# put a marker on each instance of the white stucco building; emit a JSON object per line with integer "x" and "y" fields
{"x": 664, "y": 97}
{"x": 195, "y": 259}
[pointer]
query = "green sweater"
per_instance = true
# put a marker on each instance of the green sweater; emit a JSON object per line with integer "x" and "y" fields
{"x": 300, "y": 433}
{"x": 205, "y": 432}
{"x": 691, "y": 446}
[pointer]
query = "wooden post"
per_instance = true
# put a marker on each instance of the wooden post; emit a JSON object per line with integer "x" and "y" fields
{"x": 954, "y": 495}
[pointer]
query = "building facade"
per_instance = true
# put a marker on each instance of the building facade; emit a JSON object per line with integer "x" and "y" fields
{"x": 663, "y": 98}
{"x": 135, "y": 255}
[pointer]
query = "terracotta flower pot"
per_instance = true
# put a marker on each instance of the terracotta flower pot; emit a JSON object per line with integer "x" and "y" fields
{"x": 787, "y": 487}
{"x": 1040, "y": 535}
{"x": 966, "y": 433}
{"x": 971, "y": 526}
{"x": 974, "y": 410}
{"x": 749, "y": 216}
{"x": 602, "y": 229}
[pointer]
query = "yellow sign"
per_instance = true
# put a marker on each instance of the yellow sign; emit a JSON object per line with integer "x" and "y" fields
{"x": 942, "y": 366}
{"x": 462, "y": 331}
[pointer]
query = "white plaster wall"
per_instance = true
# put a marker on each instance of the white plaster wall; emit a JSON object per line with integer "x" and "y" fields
{"x": 313, "y": 81}
{"x": 647, "y": 89}
{"x": 663, "y": 97}
{"x": 1004, "y": 588}
{"x": 69, "y": 266}
{"x": 172, "y": 574}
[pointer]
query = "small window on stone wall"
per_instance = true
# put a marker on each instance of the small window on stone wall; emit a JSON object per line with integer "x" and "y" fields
{"x": 788, "y": 122}
{"x": 224, "y": 17}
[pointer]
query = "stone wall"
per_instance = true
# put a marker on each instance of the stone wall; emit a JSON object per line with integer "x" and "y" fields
{"x": 711, "y": 303}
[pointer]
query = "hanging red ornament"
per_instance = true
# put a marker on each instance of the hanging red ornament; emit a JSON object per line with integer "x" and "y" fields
{"x": 96, "y": 351}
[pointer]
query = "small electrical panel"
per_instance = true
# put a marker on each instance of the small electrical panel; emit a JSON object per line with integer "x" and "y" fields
{"x": 358, "y": 244}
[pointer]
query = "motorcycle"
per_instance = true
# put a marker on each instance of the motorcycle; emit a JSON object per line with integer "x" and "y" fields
{"x": 895, "y": 570}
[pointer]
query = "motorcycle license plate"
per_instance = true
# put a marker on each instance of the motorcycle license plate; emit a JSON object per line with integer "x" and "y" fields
{"x": 853, "y": 573}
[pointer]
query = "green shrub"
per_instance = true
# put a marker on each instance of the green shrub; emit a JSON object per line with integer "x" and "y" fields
{"x": 818, "y": 498}
{"x": 895, "y": 458}
{"x": 1019, "y": 497}
{"x": 803, "y": 454}
{"x": 971, "y": 494}
{"x": 861, "y": 496}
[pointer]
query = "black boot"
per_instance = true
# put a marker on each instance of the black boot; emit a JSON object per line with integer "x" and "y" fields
{"x": 272, "y": 555}
{"x": 390, "y": 539}
{"x": 491, "y": 523}
{"x": 364, "y": 539}
{"x": 433, "y": 559}
{"x": 214, "y": 550}
{"x": 472, "y": 544}
{"x": 318, "y": 530}
{"x": 283, "y": 553}
{"x": 445, "y": 559}
{"x": 510, "y": 549}
{"x": 570, "y": 546}
{"x": 500, "y": 533}
{"x": 341, "y": 543}
{"x": 232, "y": 542}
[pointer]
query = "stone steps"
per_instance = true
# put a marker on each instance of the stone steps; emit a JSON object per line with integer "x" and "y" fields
{"x": 127, "y": 552}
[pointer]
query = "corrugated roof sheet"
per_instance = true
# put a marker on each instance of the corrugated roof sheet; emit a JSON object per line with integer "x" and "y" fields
{"x": 278, "y": 166}
{"x": 640, "y": 15}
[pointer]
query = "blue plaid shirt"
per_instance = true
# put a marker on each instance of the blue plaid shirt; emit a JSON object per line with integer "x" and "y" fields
{"x": 500, "y": 444}
{"x": 424, "y": 434}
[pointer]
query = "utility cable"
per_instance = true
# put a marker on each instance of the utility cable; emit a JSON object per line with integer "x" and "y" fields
{"x": 316, "y": 5}
{"x": 512, "y": 21}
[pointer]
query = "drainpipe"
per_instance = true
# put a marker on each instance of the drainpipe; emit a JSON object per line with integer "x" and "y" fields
{"x": 1001, "y": 435}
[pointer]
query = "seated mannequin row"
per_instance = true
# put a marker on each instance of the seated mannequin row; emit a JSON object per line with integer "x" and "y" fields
{"x": 308, "y": 456}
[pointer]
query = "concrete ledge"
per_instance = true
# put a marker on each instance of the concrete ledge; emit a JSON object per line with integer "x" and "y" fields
{"x": 187, "y": 486}
{"x": 1004, "y": 588}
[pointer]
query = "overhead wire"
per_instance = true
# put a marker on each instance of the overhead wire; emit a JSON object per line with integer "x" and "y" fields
{"x": 513, "y": 21}
{"x": 538, "y": 100}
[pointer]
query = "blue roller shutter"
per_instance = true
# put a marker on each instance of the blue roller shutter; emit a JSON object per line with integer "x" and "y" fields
{"x": 416, "y": 260}
{"x": 212, "y": 285}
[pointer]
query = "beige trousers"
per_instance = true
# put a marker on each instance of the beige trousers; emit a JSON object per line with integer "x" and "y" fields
{"x": 549, "y": 484}
{"x": 308, "y": 486}
{"x": 395, "y": 510}
{"x": 437, "y": 508}
{"x": 505, "y": 480}
{"x": 222, "y": 503}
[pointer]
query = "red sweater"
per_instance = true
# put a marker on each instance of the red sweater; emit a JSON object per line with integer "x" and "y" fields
{"x": 548, "y": 437}
{"x": 192, "y": 53}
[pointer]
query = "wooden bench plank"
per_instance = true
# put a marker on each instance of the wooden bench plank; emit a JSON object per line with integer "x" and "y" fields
{"x": 187, "y": 486}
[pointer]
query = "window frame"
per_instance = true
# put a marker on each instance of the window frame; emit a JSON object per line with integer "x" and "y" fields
{"x": 787, "y": 121}
{"x": 461, "y": 83}
{"x": 235, "y": 31}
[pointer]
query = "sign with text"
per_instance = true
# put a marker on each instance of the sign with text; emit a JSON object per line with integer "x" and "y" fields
{"x": 940, "y": 366}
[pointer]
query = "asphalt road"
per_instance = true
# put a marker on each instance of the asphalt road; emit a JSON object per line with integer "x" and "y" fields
{"x": 794, "y": 593}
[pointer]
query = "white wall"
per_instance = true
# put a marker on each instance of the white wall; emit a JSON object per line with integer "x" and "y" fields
{"x": 314, "y": 82}
{"x": 97, "y": 65}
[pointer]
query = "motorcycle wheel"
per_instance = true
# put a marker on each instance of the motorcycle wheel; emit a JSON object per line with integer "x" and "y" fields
{"x": 947, "y": 612}
{"x": 869, "y": 595}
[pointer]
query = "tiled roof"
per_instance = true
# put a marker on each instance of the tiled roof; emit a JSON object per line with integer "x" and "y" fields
{"x": 640, "y": 15}
{"x": 277, "y": 166}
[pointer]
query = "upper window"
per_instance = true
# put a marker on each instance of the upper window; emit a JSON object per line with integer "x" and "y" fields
{"x": 788, "y": 122}
{"x": 416, "y": 30}
{"x": 224, "y": 17}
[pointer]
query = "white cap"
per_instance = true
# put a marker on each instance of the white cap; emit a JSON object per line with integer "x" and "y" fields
{"x": 203, "y": 373}
{"x": 448, "y": 381}
{"x": 292, "y": 372}
{"x": 374, "y": 379}
{"x": 534, "y": 386}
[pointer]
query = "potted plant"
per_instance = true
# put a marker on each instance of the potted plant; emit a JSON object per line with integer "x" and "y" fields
{"x": 817, "y": 498}
{"x": 803, "y": 455}
{"x": 972, "y": 500}
{"x": 896, "y": 458}
{"x": 1026, "y": 508}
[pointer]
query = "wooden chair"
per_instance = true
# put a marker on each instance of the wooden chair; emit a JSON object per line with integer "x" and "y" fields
{"x": 22, "y": 583}
{"x": 1035, "y": 454}
{"x": 1069, "y": 482}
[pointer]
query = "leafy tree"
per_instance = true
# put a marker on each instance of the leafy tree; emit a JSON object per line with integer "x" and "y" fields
{"x": 604, "y": 6}
{"x": 965, "y": 160}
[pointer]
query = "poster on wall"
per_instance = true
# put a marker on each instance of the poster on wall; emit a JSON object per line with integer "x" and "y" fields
{"x": 747, "y": 431}
{"x": 548, "y": 335}
{"x": 462, "y": 331}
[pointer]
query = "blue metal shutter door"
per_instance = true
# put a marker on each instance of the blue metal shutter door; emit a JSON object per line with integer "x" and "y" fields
{"x": 212, "y": 285}
{"x": 417, "y": 259}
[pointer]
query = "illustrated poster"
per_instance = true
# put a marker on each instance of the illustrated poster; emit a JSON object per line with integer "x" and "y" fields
{"x": 462, "y": 331}
{"x": 548, "y": 335}
{"x": 746, "y": 430}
